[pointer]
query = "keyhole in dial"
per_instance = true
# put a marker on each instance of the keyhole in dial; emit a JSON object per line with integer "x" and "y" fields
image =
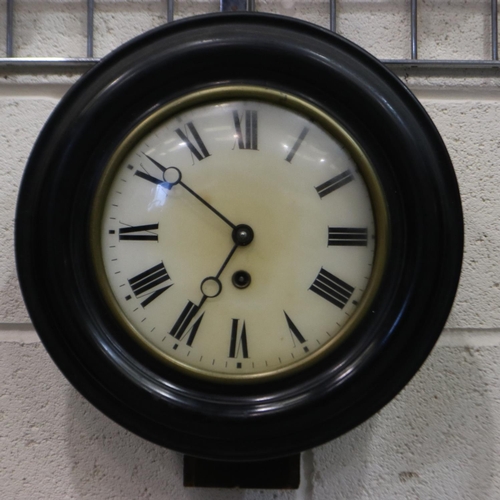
{"x": 241, "y": 279}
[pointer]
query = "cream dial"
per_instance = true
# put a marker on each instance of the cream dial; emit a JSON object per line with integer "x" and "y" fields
{"x": 238, "y": 236}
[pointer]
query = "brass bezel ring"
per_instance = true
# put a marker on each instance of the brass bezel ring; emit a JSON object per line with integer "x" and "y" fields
{"x": 224, "y": 94}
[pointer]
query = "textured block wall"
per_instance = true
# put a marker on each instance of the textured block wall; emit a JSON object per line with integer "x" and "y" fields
{"x": 439, "y": 439}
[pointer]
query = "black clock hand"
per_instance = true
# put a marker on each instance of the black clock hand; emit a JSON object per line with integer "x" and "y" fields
{"x": 242, "y": 236}
{"x": 216, "y": 212}
{"x": 228, "y": 258}
{"x": 169, "y": 185}
{"x": 211, "y": 287}
{"x": 214, "y": 280}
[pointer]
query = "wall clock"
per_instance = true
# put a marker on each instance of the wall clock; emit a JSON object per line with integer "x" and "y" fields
{"x": 239, "y": 236}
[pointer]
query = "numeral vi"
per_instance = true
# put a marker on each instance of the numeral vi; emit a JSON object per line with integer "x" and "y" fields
{"x": 239, "y": 344}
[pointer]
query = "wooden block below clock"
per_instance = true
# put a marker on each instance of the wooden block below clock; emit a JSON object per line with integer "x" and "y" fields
{"x": 281, "y": 473}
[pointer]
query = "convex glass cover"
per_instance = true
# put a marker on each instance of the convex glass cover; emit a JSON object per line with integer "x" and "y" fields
{"x": 239, "y": 233}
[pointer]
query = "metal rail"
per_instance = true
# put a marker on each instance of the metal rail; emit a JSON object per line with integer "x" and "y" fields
{"x": 10, "y": 63}
{"x": 10, "y": 29}
{"x": 333, "y": 15}
{"x": 90, "y": 29}
{"x": 413, "y": 48}
{"x": 494, "y": 30}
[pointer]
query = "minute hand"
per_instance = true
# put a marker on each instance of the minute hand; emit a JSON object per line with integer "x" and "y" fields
{"x": 215, "y": 211}
{"x": 188, "y": 189}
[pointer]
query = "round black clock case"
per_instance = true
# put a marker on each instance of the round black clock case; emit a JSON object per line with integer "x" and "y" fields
{"x": 202, "y": 417}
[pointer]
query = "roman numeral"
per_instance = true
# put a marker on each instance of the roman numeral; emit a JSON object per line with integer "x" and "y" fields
{"x": 137, "y": 233}
{"x": 148, "y": 177}
{"x": 297, "y": 144}
{"x": 331, "y": 288}
{"x": 348, "y": 236}
{"x": 294, "y": 330}
{"x": 334, "y": 183}
{"x": 238, "y": 341}
{"x": 151, "y": 178}
{"x": 199, "y": 152}
{"x": 249, "y": 139}
{"x": 143, "y": 284}
{"x": 180, "y": 328}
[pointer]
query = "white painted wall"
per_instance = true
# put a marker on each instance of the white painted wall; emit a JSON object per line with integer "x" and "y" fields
{"x": 439, "y": 439}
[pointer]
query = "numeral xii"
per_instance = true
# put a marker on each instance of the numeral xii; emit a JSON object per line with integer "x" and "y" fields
{"x": 248, "y": 140}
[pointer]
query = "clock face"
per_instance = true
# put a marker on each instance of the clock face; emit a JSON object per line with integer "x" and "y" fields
{"x": 239, "y": 238}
